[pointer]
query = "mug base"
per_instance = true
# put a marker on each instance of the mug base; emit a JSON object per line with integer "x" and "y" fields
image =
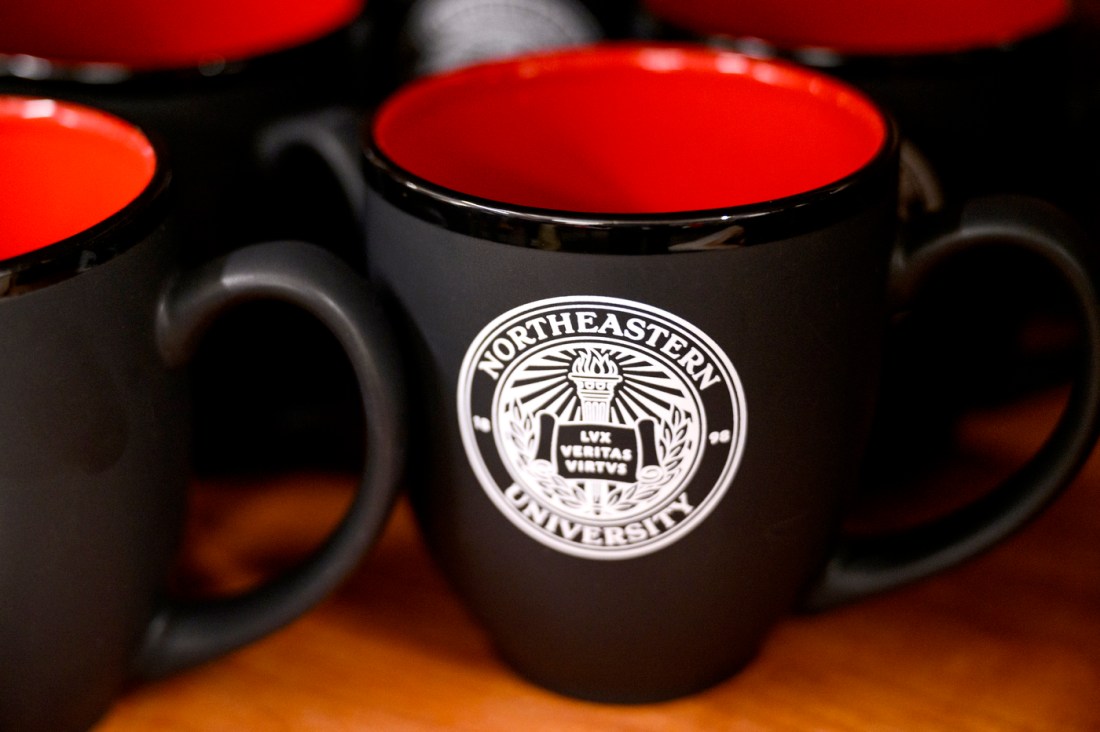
{"x": 654, "y": 685}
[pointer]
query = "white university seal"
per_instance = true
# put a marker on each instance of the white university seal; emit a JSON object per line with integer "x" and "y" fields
{"x": 603, "y": 428}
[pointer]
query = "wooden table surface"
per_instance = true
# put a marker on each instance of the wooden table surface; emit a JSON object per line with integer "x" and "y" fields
{"x": 1009, "y": 641}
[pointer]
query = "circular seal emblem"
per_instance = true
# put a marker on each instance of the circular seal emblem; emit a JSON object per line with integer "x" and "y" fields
{"x": 601, "y": 427}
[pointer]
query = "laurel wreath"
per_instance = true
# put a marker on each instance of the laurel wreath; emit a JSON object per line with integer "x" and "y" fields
{"x": 673, "y": 445}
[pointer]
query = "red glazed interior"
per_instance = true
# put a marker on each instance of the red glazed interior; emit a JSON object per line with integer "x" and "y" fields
{"x": 63, "y": 169}
{"x": 160, "y": 34}
{"x": 630, "y": 129}
{"x": 868, "y": 26}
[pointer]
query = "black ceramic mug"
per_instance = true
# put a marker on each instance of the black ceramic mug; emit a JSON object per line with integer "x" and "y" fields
{"x": 643, "y": 292}
{"x": 991, "y": 96}
{"x": 982, "y": 87}
{"x": 98, "y": 319}
{"x": 245, "y": 95}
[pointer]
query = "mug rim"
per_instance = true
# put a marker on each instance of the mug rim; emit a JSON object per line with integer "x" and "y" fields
{"x": 660, "y": 232}
{"x": 826, "y": 55}
{"x": 110, "y": 74}
{"x": 107, "y": 238}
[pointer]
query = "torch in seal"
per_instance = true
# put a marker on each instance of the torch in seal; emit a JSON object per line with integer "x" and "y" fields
{"x": 595, "y": 376}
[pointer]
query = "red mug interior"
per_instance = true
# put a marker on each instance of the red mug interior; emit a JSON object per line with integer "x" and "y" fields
{"x": 63, "y": 169}
{"x": 868, "y": 27}
{"x": 168, "y": 34}
{"x": 630, "y": 129}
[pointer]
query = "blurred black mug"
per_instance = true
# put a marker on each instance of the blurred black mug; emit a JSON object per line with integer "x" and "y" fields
{"x": 993, "y": 97}
{"x": 981, "y": 87}
{"x": 98, "y": 319}
{"x": 244, "y": 95}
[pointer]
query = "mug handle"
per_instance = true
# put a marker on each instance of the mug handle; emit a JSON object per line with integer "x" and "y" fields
{"x": 865, "y": 566}
{"x": 182, "y": 635}
{"x": 331, "y": 135}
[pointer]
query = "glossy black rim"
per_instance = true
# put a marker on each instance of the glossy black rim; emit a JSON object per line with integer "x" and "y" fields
{"x": 97, "y": 244}
{"x": 658, "y": 233}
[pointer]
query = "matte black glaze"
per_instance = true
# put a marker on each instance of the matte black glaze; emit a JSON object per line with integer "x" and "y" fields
{"x": 94, "y": 458}
{"x": 686, "y": 616}
{"x": 92, "y": 475}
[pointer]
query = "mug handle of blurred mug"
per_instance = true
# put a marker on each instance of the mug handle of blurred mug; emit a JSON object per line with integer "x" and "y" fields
{"x": 185, "y": 634}
{"x": 920, "y": 191}
{"x": 332, "y": 135}
{"x": 864, "y": 566}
